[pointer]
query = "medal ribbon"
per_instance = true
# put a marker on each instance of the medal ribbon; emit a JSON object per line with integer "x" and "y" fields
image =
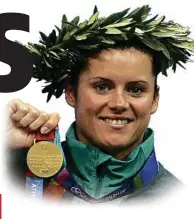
{"x": 65, "y": 180}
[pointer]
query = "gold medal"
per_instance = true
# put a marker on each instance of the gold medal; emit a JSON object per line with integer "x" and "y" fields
{"x": 44, "y": 159}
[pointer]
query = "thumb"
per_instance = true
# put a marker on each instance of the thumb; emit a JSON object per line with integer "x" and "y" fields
{"x": 51, "y": 123}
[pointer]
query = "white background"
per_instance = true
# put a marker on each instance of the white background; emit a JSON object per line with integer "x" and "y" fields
{"x": 173, "y": 122}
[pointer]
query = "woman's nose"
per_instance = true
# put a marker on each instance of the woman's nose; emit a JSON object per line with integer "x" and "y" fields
{"x": 118, "y": 101}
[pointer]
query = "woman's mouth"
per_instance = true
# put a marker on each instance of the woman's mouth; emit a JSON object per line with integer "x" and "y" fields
{"x": 116, "y": 123}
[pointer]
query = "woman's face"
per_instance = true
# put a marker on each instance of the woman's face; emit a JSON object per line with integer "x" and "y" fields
{"x": 115, "y": 99}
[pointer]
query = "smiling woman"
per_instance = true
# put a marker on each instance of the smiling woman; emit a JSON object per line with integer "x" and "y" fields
{"x": 108, "y": 69}
{"x": 114, "y": 101}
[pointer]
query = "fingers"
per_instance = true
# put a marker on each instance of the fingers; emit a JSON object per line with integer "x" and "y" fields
{"x": 17, "y": 109}
{"x": 27, "y": 116}
{"x": 34, "y": 120}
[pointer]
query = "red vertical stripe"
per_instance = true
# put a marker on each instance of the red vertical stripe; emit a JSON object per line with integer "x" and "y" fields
{"x": 0, "y": 207}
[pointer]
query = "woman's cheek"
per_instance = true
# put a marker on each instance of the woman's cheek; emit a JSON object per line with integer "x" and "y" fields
{"x": 142, "y": 106}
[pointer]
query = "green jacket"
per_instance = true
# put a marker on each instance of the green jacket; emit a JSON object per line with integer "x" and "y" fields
{"x": 100, "y": 174}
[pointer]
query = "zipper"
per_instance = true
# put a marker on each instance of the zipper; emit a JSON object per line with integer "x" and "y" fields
{"x": 100, "y": 175}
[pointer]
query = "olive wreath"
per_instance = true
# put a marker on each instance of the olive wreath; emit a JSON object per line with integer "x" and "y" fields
{"x": 63, "y": 52}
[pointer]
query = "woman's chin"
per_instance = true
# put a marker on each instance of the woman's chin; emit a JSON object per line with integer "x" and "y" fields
{"x": 115, "y": 144}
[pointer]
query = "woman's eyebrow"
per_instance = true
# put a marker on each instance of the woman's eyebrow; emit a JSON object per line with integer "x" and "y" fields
{"x": 100, "y": 78}
{"x": 138, "y": 82}
{"x": 129, "y": 82}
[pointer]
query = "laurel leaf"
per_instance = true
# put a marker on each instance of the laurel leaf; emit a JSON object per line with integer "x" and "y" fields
{"x": 93, "y": 18}
{"x": 113, "y": 31}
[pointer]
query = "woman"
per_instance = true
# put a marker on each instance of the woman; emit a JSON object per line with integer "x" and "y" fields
{"x": 108, "y": 68}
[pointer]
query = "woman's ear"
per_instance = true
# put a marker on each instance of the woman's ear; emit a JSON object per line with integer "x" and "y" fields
{"x": 70, "y": 95}
{"x": 155, "y": 100}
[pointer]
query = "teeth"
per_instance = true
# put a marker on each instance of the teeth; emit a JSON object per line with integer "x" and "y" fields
{"x": 116, "y": 122}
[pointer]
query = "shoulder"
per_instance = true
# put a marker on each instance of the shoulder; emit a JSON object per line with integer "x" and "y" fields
{"x": 166, "y": 179}
{"x": 163, "y": 186}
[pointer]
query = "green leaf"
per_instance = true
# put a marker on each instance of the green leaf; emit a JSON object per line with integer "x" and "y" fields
{"x": 97, "y": 23}
{"x": 33, "y": 49}
{"x": 88, "y": 47}
{"x": 44, "y": 37}
{"x": 73, "y": 24}
{"x": 149, "y": 30}
{"x": 124, "y": 36}
{"x": 82, "y": 37}
{"x": 93, "y": 18}
{"x": 178, "y": 28}
{"x": 148, "y": 42}
{"x": 164, "y": 72}
{"x": 54, "y": 54}
{"x": 186, "y": 39}
{"x": 108, "y": 41}
{"x": 58, "y": 46}
{"x": 58, "y": 29}
{"x": 95, "y": 9}
{"x": 83, "y": 24}
{"x": 127, "y": 29}
{"x": 185, "y": 45}
{"x": 166, "y": 53}
{"x": 156, "y": 45}
{"x": 36, "y": 58}
{"x": 67, "y": 36}
{"x": 156, "y": 22}
{"x": 122, "y": 23}
{"x": 139, "y": 13}
{"x": 62, "y": 78}
{"x": 75, "y": 21}
{"x": 73, "y": 31}
{"x": 46, "y": 62}
{"x": 64, "y": 20}
{"x": 70, "y": 25}
{"x": 146, "y": 11}
{"x": 162, "y": 34}
{"x": 49, "y": 96}
{"x": 174, "y": 67}
{"x": 52, "y": 37}
{"x": 113, "y": 31}
{"x": 39, "y": 47}
{"x": 150, "y": 20}
{"x": 175, "y": 32}
{"x": 163, "y": 48}
{"x": 61, "y": 35}
{"x": 114, "y": 17}
{"x": 139, "y": 31}
{"x": 181, "y": 65}
{"x": 59, "y": 91}
{"x": 134, "y": 12}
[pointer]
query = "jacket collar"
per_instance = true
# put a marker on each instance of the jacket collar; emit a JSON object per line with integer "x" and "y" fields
{"x": 89, "y": 165}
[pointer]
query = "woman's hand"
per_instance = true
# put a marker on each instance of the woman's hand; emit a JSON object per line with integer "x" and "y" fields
{"x": 24, "y": 120}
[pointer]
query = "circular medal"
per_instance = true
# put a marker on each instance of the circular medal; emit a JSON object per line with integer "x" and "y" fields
{"x": 44, "y": 159}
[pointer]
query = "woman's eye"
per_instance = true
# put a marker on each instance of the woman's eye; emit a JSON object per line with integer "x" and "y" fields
{"x": 136, "y": 90}
{"x": 101, "y": 87}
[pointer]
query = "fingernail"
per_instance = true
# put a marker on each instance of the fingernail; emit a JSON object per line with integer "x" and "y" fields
{"x": 44, "y": 130}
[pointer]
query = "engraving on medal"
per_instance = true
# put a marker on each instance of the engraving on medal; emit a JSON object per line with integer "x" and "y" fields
{"x": 44, "y": 159}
